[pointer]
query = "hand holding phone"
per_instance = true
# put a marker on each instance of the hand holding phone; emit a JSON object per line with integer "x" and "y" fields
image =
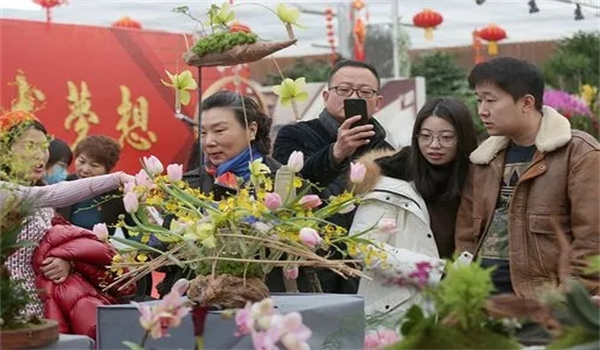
{"x": 354, "y": 132}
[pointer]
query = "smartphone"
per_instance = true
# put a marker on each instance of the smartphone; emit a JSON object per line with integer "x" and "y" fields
{"x": 356, "y": 106}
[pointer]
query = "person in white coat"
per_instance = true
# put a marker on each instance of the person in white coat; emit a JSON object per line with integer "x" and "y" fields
{"x": 413, "y": 196}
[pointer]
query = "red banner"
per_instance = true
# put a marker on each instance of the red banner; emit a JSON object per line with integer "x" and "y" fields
{"x": 83, "y": 80}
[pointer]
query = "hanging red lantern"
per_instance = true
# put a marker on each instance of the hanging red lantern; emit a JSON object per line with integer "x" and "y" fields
{"x": 492, "y": 33}
{"x": 126, "y": 22}
{"x": 428, "y": 19}
{"x": 48, "y": 5}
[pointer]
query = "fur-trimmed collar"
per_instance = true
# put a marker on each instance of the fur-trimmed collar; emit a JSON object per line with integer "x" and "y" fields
{"x": 373, "y": 173}
{"x": 554, "y": 132}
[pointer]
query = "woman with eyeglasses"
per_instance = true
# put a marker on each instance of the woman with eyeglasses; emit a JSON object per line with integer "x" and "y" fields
{"x": 413, "y": 197}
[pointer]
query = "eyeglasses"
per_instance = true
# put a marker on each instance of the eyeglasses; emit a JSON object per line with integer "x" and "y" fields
{"x": 347, "y": 91}
{"x": 444, "y": 140}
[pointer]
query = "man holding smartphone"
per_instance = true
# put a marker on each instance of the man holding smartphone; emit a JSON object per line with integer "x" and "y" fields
{"x": 331, "y": 141}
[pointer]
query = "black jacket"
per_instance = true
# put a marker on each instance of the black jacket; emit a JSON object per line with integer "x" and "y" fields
{"x": 198, "y": 178}
{"x": 110, "y": 209}
{"x": 315, "y": 139}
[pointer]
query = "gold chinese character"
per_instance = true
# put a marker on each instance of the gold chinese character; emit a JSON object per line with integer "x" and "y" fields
{"x": 133, "y": 124}
{"x": 81, "y": 115}
{"x": 29, "y": 98}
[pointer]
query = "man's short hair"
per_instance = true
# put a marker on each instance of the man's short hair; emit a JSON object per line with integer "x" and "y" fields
{"x": 352, "y": 63}
{"x": 514, "y": 76}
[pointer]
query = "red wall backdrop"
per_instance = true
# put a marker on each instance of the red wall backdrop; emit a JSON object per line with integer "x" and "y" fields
{"x": 46, "y": 69}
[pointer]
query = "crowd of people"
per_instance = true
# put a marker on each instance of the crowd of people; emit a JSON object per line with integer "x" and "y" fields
{"x": 501, "y": 200}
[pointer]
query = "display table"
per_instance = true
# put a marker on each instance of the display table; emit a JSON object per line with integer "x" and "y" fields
{"x": 336, "y": 322}
{"x": 70, "y": 342}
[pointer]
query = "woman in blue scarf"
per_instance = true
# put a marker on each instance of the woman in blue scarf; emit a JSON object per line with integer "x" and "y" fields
{"x": 234, "y": 132}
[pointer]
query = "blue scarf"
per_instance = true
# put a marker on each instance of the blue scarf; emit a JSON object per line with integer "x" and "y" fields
{"x": 238, "y": 165}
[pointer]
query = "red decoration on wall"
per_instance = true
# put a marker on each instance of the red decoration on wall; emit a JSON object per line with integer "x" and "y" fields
{"x": 428, "y": 19}
{"x": 48, "y": 5}
{"x": 126, "y": 22}
{"x": 492, "y": 34}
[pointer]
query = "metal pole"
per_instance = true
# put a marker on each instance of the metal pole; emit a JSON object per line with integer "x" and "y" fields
{"x": 395, "y": 39}
{"x": 200, "y": 156}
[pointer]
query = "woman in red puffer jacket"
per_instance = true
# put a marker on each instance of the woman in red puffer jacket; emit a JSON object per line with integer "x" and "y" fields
{"x": 73, "y": 302}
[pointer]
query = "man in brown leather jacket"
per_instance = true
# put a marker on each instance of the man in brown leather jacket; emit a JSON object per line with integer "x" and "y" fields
{"x": 531, "y": 177}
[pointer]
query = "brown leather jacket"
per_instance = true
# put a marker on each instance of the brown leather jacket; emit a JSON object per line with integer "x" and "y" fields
{"x": 561, "y": 185}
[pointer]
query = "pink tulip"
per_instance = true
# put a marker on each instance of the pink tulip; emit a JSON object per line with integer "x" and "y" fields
{"x": 181, "y": 286}
{"x": 175, "y": 172}
{"x": 386, "y": 226}
{"x": 310, "y": 201}
{"x": 357, "y": 173}
{"x": 272, "y": 201}
{"x": 296, "y": 161}
{"x": 291, "y": 274}
{"x": 310, "y": 237}
{"x": 101, "y": 232}
{"x": 131, "y": 203}
{"x": 142, "y": 179}
{"x": 153, "y": 165}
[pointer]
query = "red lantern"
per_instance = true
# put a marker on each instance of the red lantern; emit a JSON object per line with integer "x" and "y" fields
{"x": 428, "y": 19}
{"x": 48, "y": 5}
{"x": 492, "y": 33}
{"x": 127, "y": 22}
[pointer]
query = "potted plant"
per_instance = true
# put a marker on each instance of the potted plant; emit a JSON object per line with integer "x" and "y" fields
{"x": 17, "y": 330}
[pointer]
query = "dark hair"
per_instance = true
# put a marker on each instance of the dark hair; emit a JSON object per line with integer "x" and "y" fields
{"x": 514, "y": 76}
{"x": 237, "y": 103}
{"x": 59, "y": 152}
{"x": 101, "y": 149}
{"x": 434, "y": 182}
{"x": 352, "y": 63}
{"x": 12, "y": 135}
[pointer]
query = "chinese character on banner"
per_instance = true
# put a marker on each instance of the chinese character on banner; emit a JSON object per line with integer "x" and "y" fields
{"x": 133, "y": 124}
{"x": 81, "y": 115}
{"x": 29, "y": 98}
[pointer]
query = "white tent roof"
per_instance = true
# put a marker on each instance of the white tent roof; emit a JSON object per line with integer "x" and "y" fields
{"x": 554, "y": 20}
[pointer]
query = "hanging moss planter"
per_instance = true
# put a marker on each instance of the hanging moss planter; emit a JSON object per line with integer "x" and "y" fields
{"x": 238, "y": 54}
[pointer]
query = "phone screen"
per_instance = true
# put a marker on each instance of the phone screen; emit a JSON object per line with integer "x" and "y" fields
{"x": 356, "y": 106}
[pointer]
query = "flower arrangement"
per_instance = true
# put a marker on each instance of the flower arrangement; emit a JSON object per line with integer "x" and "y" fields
{"x": 269, "y": 222}
{"x": 581, "y": 110}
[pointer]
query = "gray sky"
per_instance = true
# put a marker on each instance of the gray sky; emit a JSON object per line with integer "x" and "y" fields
{"x": 555, "y": 19}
